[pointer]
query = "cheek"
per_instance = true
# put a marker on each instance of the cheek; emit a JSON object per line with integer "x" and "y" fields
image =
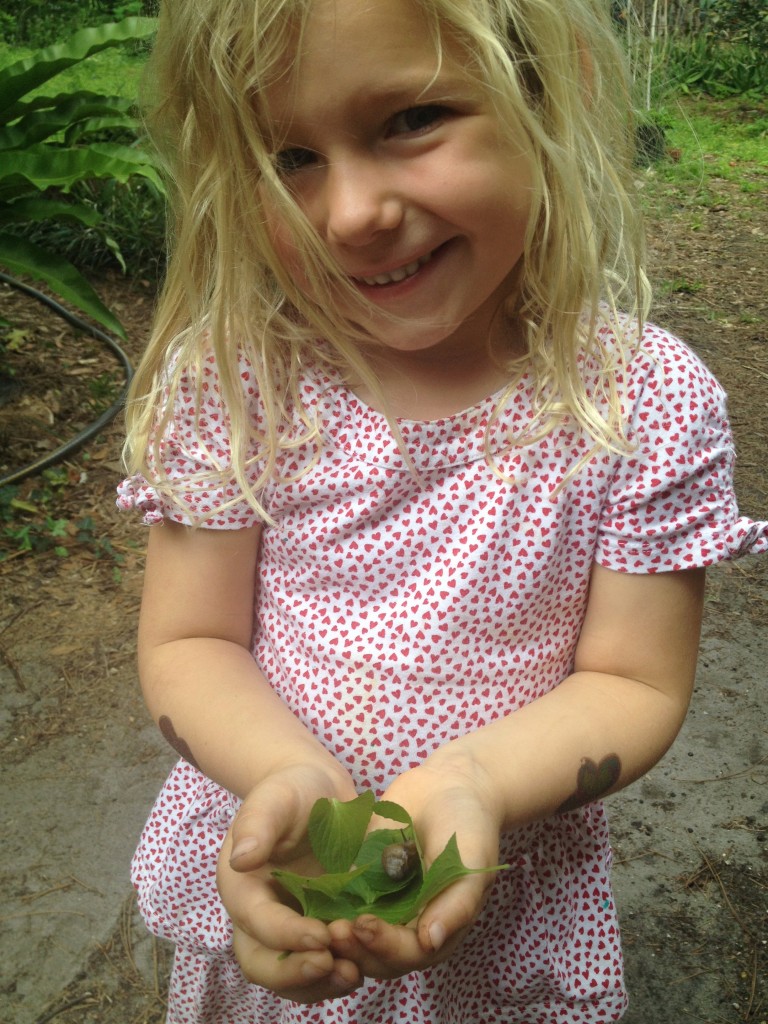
{"x": 285, "y": 248}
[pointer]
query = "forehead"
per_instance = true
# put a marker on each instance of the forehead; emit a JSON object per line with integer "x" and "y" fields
{"x": 359, "y": 49}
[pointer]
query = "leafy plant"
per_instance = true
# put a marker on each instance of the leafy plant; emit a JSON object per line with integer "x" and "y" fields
{"x": 737, "y": 21}
{"x": 716, "y": 68}
{"x": 51, "y": 143}
{"x": 40, "y": 22}
{"x": 356, "y": 880}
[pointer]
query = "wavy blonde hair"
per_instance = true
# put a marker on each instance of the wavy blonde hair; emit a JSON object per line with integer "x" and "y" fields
{"x": 553, "y": 66}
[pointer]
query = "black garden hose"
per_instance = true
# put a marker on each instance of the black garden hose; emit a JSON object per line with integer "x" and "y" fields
{"x": 106, "y": 417}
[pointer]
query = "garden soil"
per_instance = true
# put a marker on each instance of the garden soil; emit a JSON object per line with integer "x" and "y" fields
{"x": 81, "y": 762}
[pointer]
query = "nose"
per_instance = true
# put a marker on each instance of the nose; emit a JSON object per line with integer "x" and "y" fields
{"x": 361, "y": 201}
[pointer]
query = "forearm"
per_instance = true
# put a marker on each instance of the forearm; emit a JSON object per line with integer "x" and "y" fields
{"x": 592, "y": 735}
{"x": 217, "y": 710}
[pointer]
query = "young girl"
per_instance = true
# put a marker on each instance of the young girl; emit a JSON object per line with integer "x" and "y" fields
{"x": 435, "y": 513}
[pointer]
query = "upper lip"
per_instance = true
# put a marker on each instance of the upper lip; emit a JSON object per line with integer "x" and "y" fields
{"x": 405, "y": 268}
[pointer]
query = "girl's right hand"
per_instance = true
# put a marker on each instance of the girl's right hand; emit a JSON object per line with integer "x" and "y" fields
{"x": 270, "y": 830}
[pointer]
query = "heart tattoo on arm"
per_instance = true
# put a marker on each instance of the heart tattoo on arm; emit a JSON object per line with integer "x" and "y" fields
{"x": 592, "y": 782}
{"x": 179, "y": 745}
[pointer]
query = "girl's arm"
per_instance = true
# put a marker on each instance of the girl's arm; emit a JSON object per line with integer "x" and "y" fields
{"x": 620, "y": 710}
{"x": 605, "y": 726}
{"x": 198, "y": 677}
{"x": 213, "y": 704}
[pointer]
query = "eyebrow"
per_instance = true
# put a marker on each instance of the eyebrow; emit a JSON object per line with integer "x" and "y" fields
{"x": 410, "y": 88}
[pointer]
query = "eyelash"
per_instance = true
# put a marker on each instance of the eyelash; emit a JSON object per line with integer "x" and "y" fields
{"x": 291, "y": 161}
{"x": 294, "y": 159}
{"x": 431, "y": 112}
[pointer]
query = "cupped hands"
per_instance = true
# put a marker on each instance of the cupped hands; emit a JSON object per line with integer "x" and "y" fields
{"x": 307, "y": 960}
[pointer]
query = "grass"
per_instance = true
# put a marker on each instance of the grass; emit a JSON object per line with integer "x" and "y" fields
{"x": 709, "y": 142}
{"x": 725, "y": 137}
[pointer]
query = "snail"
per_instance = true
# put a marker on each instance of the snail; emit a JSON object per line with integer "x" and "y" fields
{"x": 400, "y": 860}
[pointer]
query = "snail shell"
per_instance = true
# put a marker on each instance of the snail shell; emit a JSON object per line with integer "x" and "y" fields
{"x": 399, "y": 860}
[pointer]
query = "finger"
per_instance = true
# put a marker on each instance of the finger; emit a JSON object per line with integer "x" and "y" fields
{"x": 448, "y": 917}
{"x": 393, "y": 943}
{"x": 280, "y": 928}
{"x": 301, "y": 977}
{"x": 455, "y": 909}
{"x": 379, "y": 949}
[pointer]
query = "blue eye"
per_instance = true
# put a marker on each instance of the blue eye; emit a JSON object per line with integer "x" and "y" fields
{"x": 418, "y": 119}
{"x": 291, "y": 160}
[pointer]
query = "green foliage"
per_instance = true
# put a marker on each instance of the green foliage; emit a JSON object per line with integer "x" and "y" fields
{"x": 727, "y": 56}
{"x": 355, "y": 882}
{"x": 715, "y": 47}
{"x": 42, "y": 22}
{"x": 705, "y": 64}
{"x": 737, "y": 21}
{"x": 29, "y": 525}
{"x": 52, "y": 145}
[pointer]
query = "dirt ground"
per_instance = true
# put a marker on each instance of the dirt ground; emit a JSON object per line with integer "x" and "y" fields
{"x": 82, "y": 763}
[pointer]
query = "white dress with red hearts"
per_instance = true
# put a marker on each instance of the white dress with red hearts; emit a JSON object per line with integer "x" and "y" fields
{"x": 400, "y": 606}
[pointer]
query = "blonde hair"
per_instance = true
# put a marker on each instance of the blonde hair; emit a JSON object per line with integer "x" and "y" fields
{"x": 553, "y": 66}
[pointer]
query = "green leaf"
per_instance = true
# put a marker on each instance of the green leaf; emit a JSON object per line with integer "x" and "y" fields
{"x": 78, "y": 132}
{"x": 393, "y": 812}
{"x": 24, "y": 211}
{"x": 24, "y": 506}
{"x": 446, "y": 869}
{"x": 398, "y": 908}
{"x": 328, "y": 885}
{"x": 337, "y": 828}
{"x": 24, "y": 257}
{"x": 356, "y": 882}
{"x": 338, "y": 908}
{"x": 21, "y": 77}
{"x": 43, "y": 166}
{"x": 50, "y": 115}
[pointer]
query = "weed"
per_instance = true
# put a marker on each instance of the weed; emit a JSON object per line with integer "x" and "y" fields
{"x": 679, "y": 286}
{"x": 40, "y": 23}
{"x": 30, "y": 525}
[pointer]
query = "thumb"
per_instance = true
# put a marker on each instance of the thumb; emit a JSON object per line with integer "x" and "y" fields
{"x": 266, "y": 827}
{"x": 448, "y": 917}
{"x": 450, "y": 914}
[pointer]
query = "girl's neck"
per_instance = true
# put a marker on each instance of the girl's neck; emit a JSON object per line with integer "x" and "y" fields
{"x": 432, "y": 384}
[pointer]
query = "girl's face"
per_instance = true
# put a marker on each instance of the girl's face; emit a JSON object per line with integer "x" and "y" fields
{"x": 401, "y": 166}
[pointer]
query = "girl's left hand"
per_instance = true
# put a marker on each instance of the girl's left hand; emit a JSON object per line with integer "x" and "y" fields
{"x": 445, "y": 795}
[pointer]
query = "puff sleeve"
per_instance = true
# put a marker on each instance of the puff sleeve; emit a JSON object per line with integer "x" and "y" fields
{"x": 192, "y": 480}
{"x": 671, "y": 503}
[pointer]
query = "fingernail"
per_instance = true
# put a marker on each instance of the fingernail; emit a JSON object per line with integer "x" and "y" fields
{"x": 242, "y": 848}
{"x": 436, "y": 935}
{"x": 312, "y": 972}
{"x": 364, "y": 930}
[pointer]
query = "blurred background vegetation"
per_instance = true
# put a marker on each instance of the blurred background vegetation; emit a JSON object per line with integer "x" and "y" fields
{"x": 37, "y": 23}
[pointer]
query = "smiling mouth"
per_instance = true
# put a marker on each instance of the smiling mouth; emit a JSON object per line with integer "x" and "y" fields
{"x": 400, "y": 274}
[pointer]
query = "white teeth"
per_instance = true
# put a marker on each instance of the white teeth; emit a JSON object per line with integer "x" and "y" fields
{"x": 400, "y": 274}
